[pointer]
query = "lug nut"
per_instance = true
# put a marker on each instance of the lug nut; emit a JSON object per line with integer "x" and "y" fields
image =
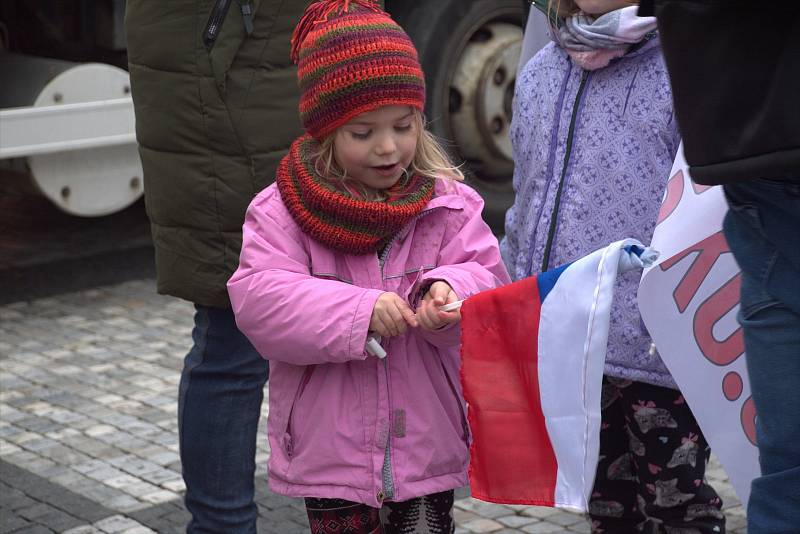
{"x": 499, "y": 76}
{"x": 497, "y": 125}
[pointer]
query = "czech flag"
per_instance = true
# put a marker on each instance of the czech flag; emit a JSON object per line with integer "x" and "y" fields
{"x": 532, "y": 368}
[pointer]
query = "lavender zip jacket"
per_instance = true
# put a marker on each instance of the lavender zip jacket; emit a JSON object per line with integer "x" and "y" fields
{"x": 610, "y": 134}
{"x": 333, "y": 408}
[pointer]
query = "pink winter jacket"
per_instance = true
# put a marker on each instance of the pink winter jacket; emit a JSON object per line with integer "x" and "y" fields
{"x": 333, "y": 407}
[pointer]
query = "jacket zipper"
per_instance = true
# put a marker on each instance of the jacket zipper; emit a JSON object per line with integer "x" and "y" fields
{"x": 570, "y": 133}
{"x": 247, "y": 15}
{"x": 217, "y": 17}
{"x": 387, "y": 480}
{"x": 464, "y": 421}
{"x": 386, "y": 471}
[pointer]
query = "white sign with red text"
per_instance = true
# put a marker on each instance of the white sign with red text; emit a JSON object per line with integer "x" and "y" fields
{"x": 688, "y": 300}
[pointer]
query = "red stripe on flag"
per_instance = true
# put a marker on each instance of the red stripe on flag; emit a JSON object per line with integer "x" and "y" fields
{"x": 512, "y": 459}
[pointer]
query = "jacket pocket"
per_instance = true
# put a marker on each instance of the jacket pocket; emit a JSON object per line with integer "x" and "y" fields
{"x": 288, "y": 434}
{"x": 223, "y": 36}
{"x": 466, "y": 435}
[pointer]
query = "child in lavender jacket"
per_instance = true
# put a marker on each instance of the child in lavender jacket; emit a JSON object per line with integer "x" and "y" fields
{"x": 594, "y": 138}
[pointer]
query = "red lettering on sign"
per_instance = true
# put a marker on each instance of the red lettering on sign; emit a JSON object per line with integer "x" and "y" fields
{"x": 699, "y": 188}
{"x": 749, "y": 419}
{"x": 714, "y": 308}
{"x": 672, "y": 197}
{"x": 732, "y": 385}
{"x": 709, "y": 249}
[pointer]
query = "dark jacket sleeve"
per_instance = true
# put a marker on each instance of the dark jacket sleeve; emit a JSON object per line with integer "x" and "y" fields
{"x": 735, "y": 72}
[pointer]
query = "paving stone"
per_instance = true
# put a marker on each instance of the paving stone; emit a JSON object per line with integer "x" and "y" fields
{"x": 13, "y": 523}
{"x": 7, "y": 448}
{"x": 515, "y": 521}
{"x": 543, "y": 528}
{"x": 160, "y": 496}
{"x": 59, "y": 521}
{"x": 35, "y": 529}
{"x": 14, "y": 500}
{"x": 161, "y": 477}
{"x": 461, "y": 516}
{"x": 482, "y": 525}
{"x": 121, "y": 481}
{"x": 540, "y": 512}
{"x": 281, "y": 526}
{"x": 483, "y": 508}
{"x": 84, "y": 529}
{"x": 581, "y": 528}
{"x": 116, "y": 524}
{"x": 38, "y": 509}
{"x": 565, "y": 518}
{"x": 106, "y": 473}
{"x": 177, "y": 485}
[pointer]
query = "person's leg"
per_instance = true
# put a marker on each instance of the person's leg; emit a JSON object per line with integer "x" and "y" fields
{"x": 762, "y": 228}
{"x": 612, "y": 505}
{"x": 673, "y": 492}
{"x": 431, "y": 514}
{"x": 339, "y": 516}
{"x": 219, "y": 405}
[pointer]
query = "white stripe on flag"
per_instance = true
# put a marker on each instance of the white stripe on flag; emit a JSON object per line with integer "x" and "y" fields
{"x": 571, "y": 361}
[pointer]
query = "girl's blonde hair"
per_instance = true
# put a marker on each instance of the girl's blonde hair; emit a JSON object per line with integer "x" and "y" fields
{"x": 430, "y": 159}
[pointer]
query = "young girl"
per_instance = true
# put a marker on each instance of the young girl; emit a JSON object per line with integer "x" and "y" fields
{"x": 366, "y": 225}
{"x": 594, "y": 139}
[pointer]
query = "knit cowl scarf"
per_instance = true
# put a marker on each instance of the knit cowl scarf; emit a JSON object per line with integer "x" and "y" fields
{"x": 592, "y": 42}
{"x": 334, "y": 217}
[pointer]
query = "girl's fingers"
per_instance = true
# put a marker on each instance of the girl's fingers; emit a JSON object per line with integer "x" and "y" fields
{"x": 405, "y": 315}
{"x": 380, "y": 327}
{"x": 422, "y": 317}
{"x": 427, "y": 315}
{"x": 391, "y": 323}
{"x": 448, "y": 317}
{"x": 408, "y": 315}
{"x": 428, "y": 324}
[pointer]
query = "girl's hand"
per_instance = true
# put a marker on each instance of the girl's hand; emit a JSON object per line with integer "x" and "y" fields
{"x": 429, "y": 315}
{"x": 391, "y": 316}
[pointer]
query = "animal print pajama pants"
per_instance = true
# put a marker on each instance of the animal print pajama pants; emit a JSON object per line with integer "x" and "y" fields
{"x": 431, "y": 514}
{"x": 651, "y": 474}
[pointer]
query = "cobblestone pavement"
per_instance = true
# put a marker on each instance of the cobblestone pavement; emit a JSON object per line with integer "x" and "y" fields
{"x": 88, "y": 438}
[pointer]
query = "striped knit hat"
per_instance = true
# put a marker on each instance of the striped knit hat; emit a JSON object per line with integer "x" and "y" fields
{"x": 352, "y": 58}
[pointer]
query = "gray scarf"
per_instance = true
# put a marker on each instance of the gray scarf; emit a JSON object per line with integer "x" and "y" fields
{"x": 593, "y": 42}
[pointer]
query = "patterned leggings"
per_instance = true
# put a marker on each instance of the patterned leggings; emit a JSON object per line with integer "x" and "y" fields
{"x": 651, "y": 474}
{"x": 431, "y": 514}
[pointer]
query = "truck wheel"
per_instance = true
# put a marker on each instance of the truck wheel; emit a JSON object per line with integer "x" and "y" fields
{"x": 470, "y": 51}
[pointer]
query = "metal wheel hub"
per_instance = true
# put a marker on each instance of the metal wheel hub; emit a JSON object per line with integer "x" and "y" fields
{"x": 480, "y": 96}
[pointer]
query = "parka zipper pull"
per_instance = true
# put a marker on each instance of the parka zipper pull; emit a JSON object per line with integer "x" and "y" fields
{"x": 214, "y": 23}
{"x": 247, "y": 15}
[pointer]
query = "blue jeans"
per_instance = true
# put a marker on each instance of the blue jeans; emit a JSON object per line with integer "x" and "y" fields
{"x": 219, "y": 405}
{"x": 763, "y": 232}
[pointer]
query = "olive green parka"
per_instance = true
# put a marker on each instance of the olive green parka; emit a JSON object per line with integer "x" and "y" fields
{"x": 216, "y": 109}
